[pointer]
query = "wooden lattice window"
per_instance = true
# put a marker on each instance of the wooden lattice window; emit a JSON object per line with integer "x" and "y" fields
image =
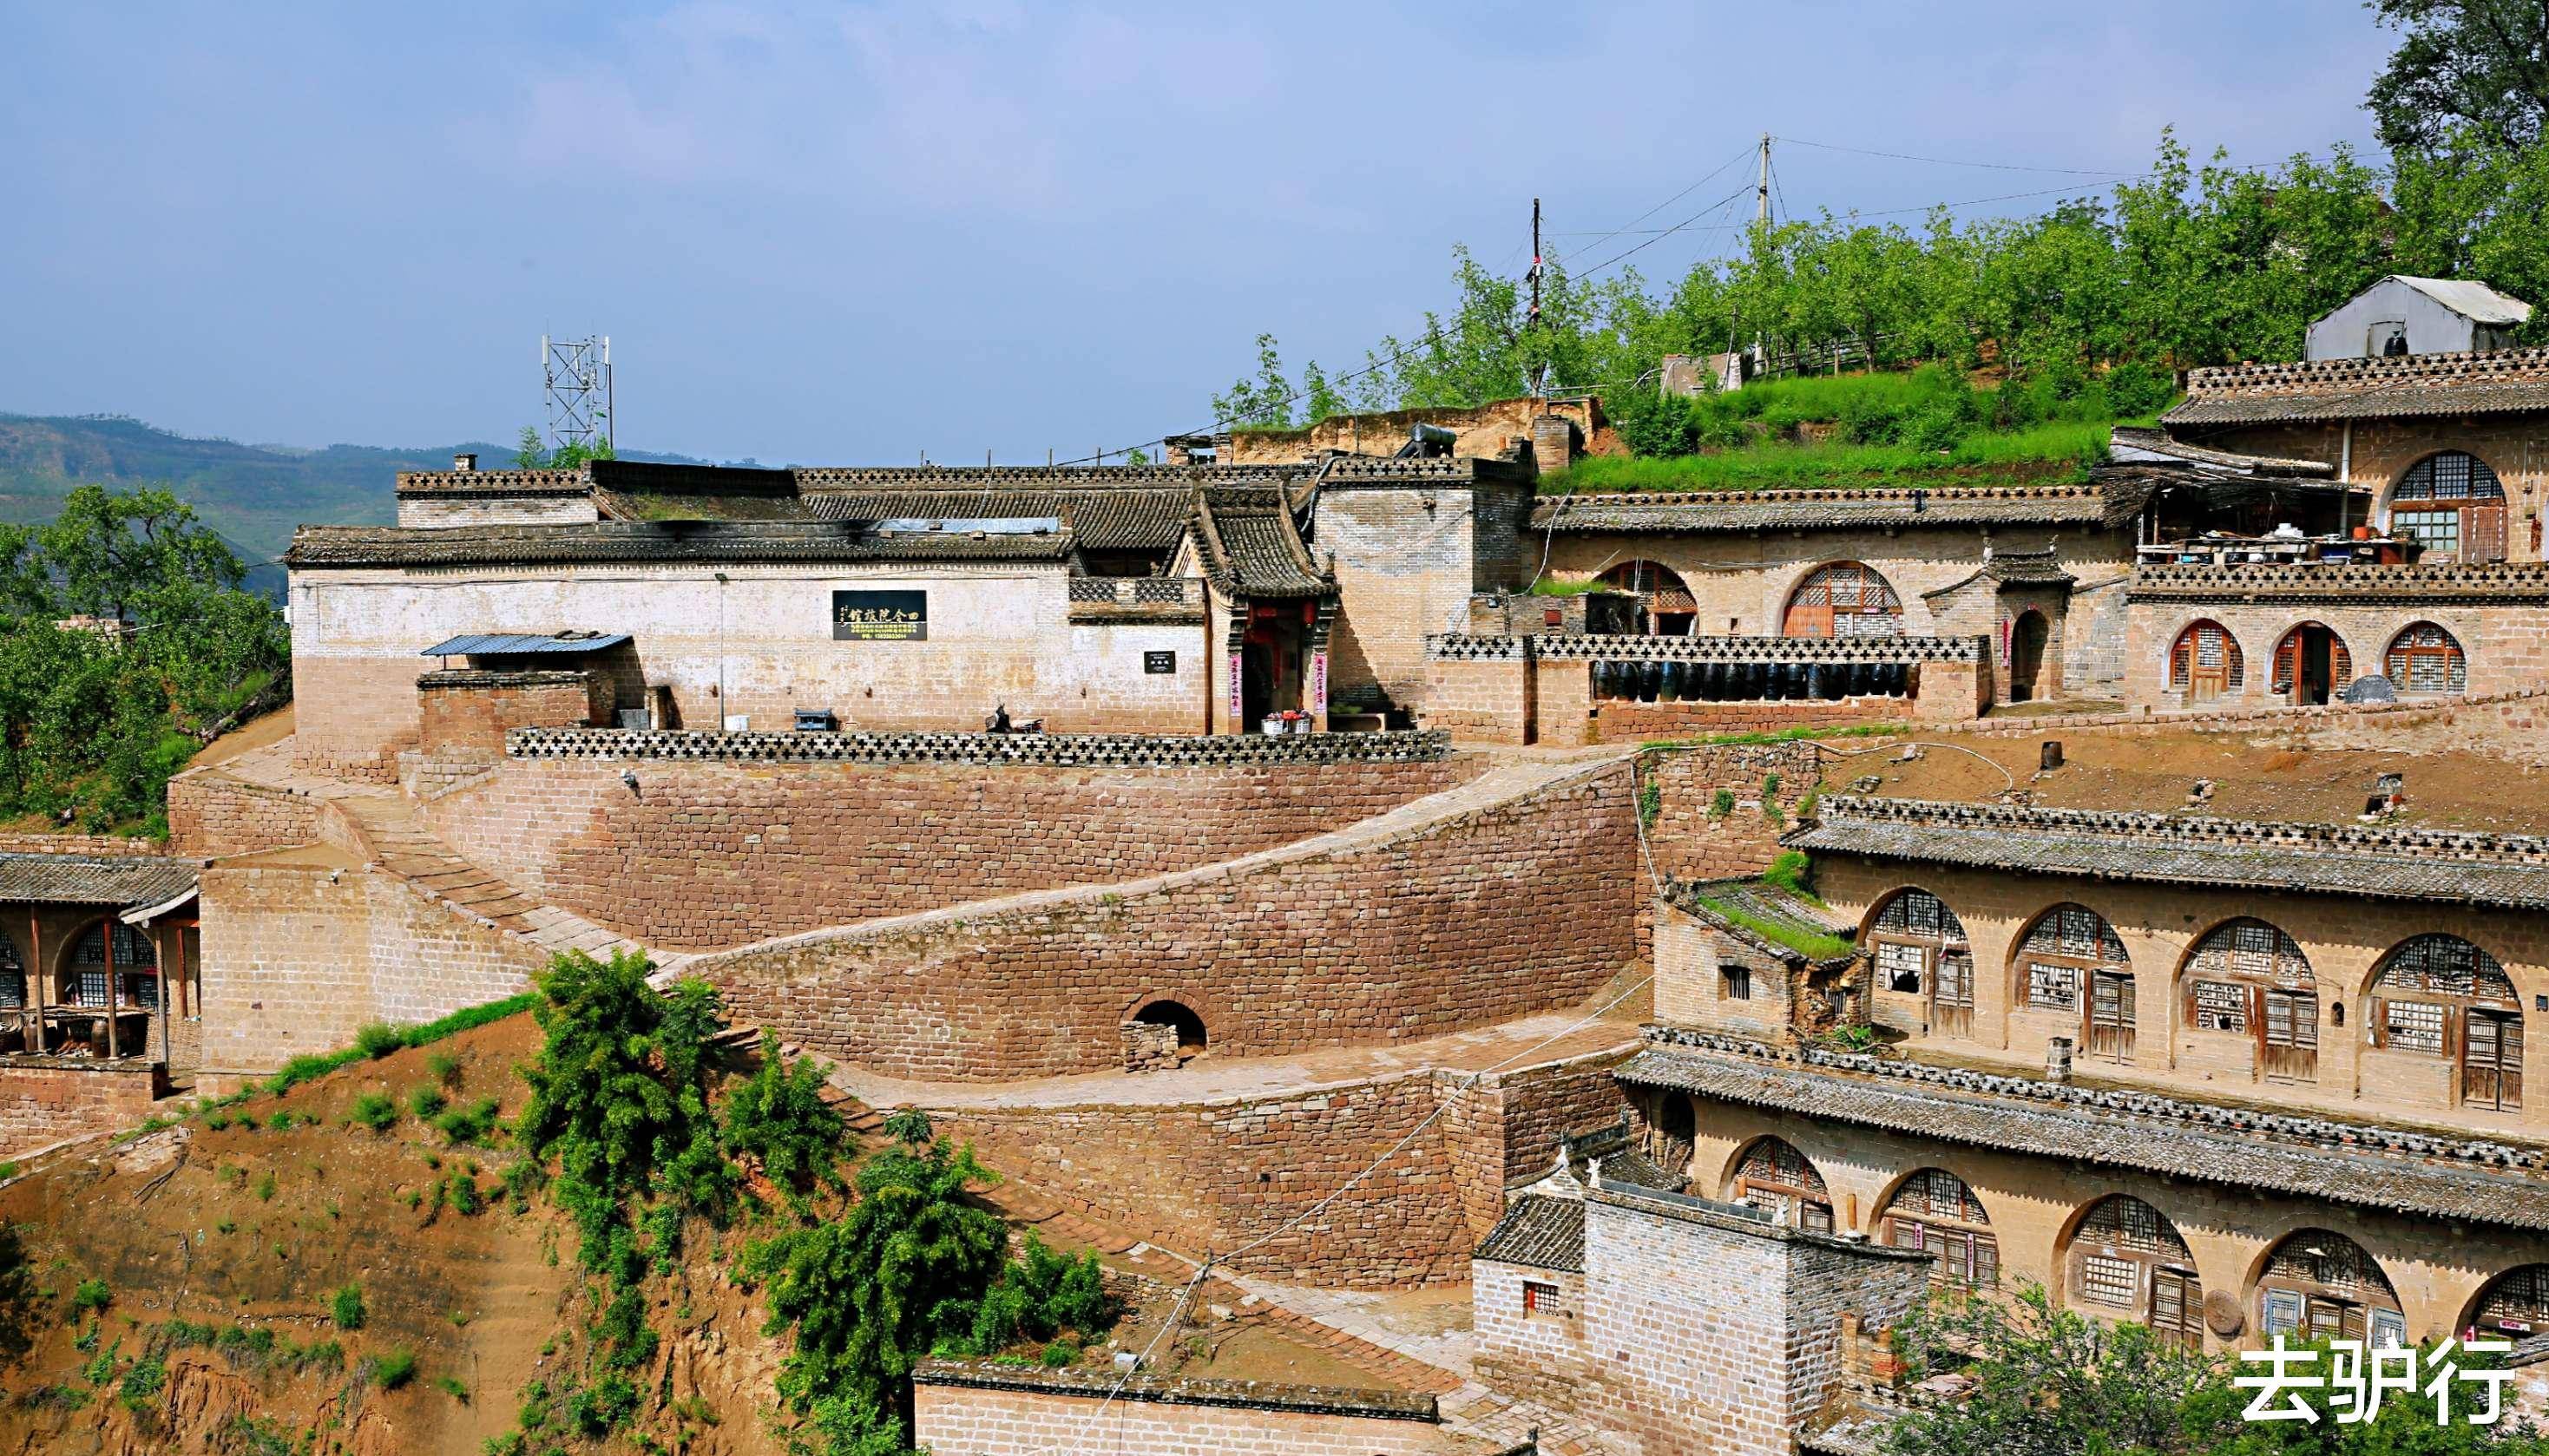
{"x": 2426, "y": 659}
{"x": 1774, "y": 1174}
{"x": 2126, "y": 1256}
{"x": 2451, "y": 504}
{"x": 1844, "y": 598}
{"x": 2111, "y": 1282}
{"x": 2066, "y": 941}
{"x": 2517, "y": 1303}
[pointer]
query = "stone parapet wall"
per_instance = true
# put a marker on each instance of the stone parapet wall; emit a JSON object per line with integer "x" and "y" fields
{"x": 1052, "y": 750}
{"x": 706, "y": 854}
{"x": 210, "y": 812}
{"x": 2318, "y": 375}
{"x": 473, "y": 711}
{"x": 1622, "y": 720}
{"x": 47, "y": 1099}
{"x": 1690, "y": 841}
{"x": 1462, "y": 919}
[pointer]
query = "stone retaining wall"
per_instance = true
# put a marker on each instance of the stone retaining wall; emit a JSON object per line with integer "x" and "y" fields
{"x": 975, "y": 1409}
{"x": 1047, "y": 750}
{"x": 1467, "y": 920}
{"x": 701, "y": 854}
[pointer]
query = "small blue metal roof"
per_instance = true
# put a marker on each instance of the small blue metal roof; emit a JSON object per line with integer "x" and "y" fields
{"x": 523, "y": 644}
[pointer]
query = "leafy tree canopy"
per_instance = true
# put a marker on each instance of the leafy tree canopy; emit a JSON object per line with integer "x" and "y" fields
{"x": 2465, "y": 71}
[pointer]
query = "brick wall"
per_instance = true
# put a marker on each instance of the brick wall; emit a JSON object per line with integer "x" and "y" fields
{"x": 45, "y": 1099}
{"x": 972, "y": 1410}
{"x": 474, "y": 710}
{"x": 1407, "y": 560}
{"x": 1219, "y": 1174}
{"x": 707, "y": 854}
{"x": 1475, "y": 918}
{"x": 1620, "y": 720}
{"x": 1484, "y": 699}
{"x": 297, "y": 954}
{"x": 1689, "y": 841}
{"x": 1504, "y": 1128}
{"x": 2506, "y": 647}
{"x": 212, "y": 813}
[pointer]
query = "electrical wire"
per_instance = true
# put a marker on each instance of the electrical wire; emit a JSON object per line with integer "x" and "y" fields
{"x": 1904, "y": 156}
{"x": 1660, "y": 207}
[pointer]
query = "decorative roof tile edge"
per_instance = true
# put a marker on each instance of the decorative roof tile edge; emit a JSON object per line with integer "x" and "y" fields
{"x": 2196, "y": 831}
{"x": 1042, "y": 750}
{"x": 494, "y": 482}
{"x": 1175, "y": 1390}
{"x": 1618, "y": 647}
{"x": 2320, "y": 1132}
{"x": 1889, "y": 494}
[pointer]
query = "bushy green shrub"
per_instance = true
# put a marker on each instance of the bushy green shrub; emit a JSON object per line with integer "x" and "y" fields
{"x": 378, "y": 1039}
{"x": 392, "y": 1370}
{"x": 426, "y": 1101}
{"x": 464, "y": 1126}
{"x": 375, "y": 1110}
{"x": 345, "y": 1307}
{"x": 91, "y": 1295}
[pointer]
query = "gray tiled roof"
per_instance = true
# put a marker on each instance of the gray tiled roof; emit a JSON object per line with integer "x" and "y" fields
{"x": 653, "y": 541}
{"x": 2497, "y": 382}
{"x": 1252, "y": 548}
{"x": 1539, "y": 1231}
{"x": 1101, "y": 518}
{"x": 2355, "y": 1176}
{"x": 1753, "y": 510}
{"x": 2389, "y": 864}
{"x": 94, "y": 880}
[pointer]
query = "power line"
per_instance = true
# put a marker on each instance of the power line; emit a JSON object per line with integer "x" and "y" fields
{"x": 1667, "y": 202}
{"x": 1904, "y": 156}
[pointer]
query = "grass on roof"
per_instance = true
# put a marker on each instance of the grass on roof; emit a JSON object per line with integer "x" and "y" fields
{"x": 1814, "y": 945}
{"x": 2058, "y": 453}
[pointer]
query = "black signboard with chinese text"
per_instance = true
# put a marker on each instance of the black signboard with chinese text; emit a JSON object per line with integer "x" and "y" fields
{"x": 880, "y": 617}
{"x": 1160, "y": 662}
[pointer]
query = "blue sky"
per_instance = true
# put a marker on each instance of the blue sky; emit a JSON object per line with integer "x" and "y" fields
{"x": 852, "y": 233}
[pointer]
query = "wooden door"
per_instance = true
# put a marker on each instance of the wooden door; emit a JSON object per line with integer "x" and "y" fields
{"x": 1951, "y": 995}
{"x": 2209, "y": 674}
{"x": 2176, "y": 1308}
{"x": 2482, "y": 532}
{"x": 2110, "y": 1013}
{"x": 2287, "y": 1035}
{"x": 2491, "y": 1060}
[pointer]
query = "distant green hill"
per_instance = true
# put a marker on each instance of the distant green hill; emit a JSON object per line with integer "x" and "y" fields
{"x": 253, "y": 494}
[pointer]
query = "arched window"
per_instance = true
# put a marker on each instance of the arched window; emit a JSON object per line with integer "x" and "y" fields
{"x": 1776, "y": 1176}
{"x": 134, "y": 958}
{"x": 1920, "y": 949}
{"x": 2248, "y": 980}
{"x": 1668, "y": 609}
{"x": 2515, "y": 1302}
{"x": 2438, "y": 995}
{"x": 2206, "y": 662}
{"x": 2426, "y": 659}
{"x": 2319, "y": 1285}
{"x": 1678, "y": 1118}
{"x": 1843, "y": 598}
{"x": 2452, "y": 506}
{"x": 1935, "y": 1210}
{"x": 2072, "y": 960}
{"x": 2128, "y": 1260}
{"x": 2312, "y": 665}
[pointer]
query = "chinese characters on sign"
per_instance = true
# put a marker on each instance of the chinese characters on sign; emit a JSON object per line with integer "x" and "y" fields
{"x": 880, "y": 617}
{"x": 1160, "y": 662}
{"x": 2358, "y": 1376}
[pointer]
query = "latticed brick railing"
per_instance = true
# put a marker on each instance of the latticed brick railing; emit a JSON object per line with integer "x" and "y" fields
{"x": 2262, "y": 836}
{"x": 1128, "y": 749}
{"x": 1138, "y": 590}
{"x": 2342, "y": 582}
{"x": 1614, "y": 647}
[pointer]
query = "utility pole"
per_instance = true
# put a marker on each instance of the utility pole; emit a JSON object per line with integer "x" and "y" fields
{"x": 1539, "y": 375}
{"x": 1762, "y": 190}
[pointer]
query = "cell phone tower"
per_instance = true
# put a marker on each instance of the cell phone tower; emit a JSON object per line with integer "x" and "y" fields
{"x": 577, "y": 376}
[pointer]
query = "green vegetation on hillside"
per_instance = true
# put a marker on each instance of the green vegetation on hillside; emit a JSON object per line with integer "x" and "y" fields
{"x": 95, "y": 717}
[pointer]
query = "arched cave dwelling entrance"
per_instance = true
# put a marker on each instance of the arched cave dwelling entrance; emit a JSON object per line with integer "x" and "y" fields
{"x": 1180, "y": 1017}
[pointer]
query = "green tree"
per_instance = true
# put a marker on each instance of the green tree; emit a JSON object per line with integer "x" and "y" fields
{"x": 2463, "y": 68}
{"x": 1264, "y": 402}
{"x": 112, "y": 553}
{"x": 871, "y": 1293}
